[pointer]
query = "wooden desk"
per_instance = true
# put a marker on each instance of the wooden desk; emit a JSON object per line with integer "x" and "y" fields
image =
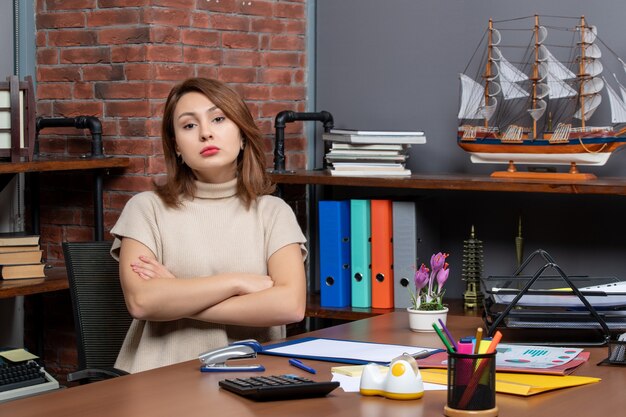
{"x": 183, "y": 390}
{"x": 55, "y": 280}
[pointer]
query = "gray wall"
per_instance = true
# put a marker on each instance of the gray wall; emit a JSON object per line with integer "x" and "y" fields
{"x": 394, "y": 65}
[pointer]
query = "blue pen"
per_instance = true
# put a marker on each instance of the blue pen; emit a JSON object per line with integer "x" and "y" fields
{"x": 298, "y": 364}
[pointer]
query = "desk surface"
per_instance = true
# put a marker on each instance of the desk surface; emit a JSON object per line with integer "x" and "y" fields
{"x": 182, "y": 390}
{"x": 56, "y": 279}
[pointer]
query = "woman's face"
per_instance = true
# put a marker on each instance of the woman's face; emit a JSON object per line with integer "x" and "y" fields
{"x": 207, "y": 140}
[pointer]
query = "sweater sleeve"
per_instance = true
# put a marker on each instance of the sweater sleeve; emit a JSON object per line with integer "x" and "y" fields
{"x": 281, "y": 226}
{"x": 138, "y": 221}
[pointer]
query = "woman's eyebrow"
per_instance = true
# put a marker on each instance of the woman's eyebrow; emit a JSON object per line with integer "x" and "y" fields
{"x": 190, "y": 113}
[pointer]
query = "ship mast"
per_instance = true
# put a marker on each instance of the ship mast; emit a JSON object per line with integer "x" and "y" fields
{"x": 535, "y": 75}
{"x": 581, "y": 72}
{"x": 488, "y": 72}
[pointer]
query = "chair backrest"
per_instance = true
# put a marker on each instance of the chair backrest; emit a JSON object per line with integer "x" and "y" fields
{"x": 100, "y": 315}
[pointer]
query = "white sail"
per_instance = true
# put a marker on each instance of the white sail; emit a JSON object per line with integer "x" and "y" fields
{"x": 590, "y": 33}
{"x": 537, "y": 112}
{"x": 507, "y": 70}
{"x": 618, "y": 107}
{"x": 593, "y": 51}
{"x": 593, "y": 67}
{"x": 591, "y": 104}
{"x": 593, "y": 86}
{"x": 472, "y": 99}
{"x": 554, "y": 66}
{"x": 512, "y": 90}
{"x": 622, "y": 89}
{"x": 559, "y": 88}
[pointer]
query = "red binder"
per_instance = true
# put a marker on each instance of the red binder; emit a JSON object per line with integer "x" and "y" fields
{"x": 382, "y": 253}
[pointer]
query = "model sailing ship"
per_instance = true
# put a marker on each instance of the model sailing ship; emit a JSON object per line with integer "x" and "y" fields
{"x": 509, "y": 115}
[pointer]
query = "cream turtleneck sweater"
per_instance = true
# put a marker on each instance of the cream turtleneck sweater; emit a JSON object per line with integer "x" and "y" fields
{"x": 211, "y": 234}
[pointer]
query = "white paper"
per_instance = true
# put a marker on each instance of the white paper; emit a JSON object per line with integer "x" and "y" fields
{"x": 347, "y": 349}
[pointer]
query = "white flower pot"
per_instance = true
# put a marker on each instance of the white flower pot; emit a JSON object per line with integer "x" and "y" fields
{"x": 422, "y": 320}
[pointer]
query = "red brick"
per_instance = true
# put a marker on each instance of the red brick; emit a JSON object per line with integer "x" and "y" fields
{"x": 165, "y": 34}
{"x": 295, "y": 161}
{"x": 109, "y": 128}
{"x": 47, "y": 56}
{"x": 133, "y": 127}
{"x": 132, "y": 53}
{"x": 130, "y": 183}
{"x": 119, "y": 36}
{"x": 199, "y": 20}
{"x": 201, "y": 55}
{"x": 123, "y": 3}
{"x": 226, "y": 6}
{"x": 41, "y": 39}
{"x": 289, "y": 10}
{"x": 287, "y": 43}
{"x": 281, "y": 59}
{"x": 77, "y": 108}
{"x": 277, "y": 76}
{"x": 112, "y": 91}
{"x": 60, "y": 20}
{"x": 254, "y": 92}
{"x": 57, "y": 74}
{"x": 237, "y": 75}
{"x": 272, "y": 108}
{"x": 72, "y": 37}
{"x": 159, "y": 90}
{"x": 103, "y": 72}
{"x": 173, "y": 17}
{"x": 206, "y": 71}
{"x": 70, "y": 4}
{"x": 164, "y": 53}
{"x": 82, "y": 90}
{"x": 240, "y": 40}
{"x": 241, "y": 58}
{"x": 295, "y": 144}
{"x": 127, "y": 108}
{"x": 156, "y": 165}
{"x": 257, "y": 8}
{"x": 296, "y": 27}
{"x": 143, "y": 71}
{"x": 46, "y": 91}
{"x": 60, "y": 215}
{"x": 118, "y": 17}
{"x": 231, "y": 22}
{"x": 268, "y": 25}
{"x": 85, "y": 55}
{"x": 172, "y": 71}
{"x": 287, "y": 93}
{"x": 200, "y": 37}
{"x": 118, "y": 200}
{"x": 182, "y": 4}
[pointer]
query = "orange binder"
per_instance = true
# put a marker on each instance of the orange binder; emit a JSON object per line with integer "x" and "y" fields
{"x": 382, "y": 253}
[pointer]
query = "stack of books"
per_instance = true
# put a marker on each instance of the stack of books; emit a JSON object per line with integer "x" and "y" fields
{"x": 20, "y": 256}
{"x": 370, "y": 153}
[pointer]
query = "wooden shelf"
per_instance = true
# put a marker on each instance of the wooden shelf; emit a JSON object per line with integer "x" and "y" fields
{"x": 55, "y": 280}
{"x": 460, "y": 182}
{"x": 63, "y": 163}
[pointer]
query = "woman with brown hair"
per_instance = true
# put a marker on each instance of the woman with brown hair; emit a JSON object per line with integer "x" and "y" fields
{"x": 209, "y": 257}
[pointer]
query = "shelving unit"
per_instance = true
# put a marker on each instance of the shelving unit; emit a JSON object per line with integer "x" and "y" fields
{"x": 439, "y": 182}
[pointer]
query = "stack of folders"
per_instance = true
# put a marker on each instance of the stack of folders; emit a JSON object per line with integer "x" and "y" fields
{"x": 20, "y": 256}
{"x": 367, "y": 252}
{"x": 370, "y": 153}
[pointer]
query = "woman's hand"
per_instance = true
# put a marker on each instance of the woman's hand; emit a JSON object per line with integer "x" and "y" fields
{"x": 251, "y": 283}
{"x": 148, "y": 268}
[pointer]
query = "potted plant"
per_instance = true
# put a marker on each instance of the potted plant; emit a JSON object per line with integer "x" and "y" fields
{"x": 427, "y": 300}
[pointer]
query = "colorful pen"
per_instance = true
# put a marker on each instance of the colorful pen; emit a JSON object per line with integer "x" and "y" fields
{"x": 298, "y": 364}
{"x": 443, "y": 338}
{"x": 479, "y": 336}
{"x": 447, "y": 332}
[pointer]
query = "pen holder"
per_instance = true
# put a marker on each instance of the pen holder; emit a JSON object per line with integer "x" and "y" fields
{"x": 617, "y": 353}
{"x": 471, "y": 385}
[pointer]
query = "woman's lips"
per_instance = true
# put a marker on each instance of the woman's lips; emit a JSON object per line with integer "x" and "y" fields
{"x": 209, "y": 150}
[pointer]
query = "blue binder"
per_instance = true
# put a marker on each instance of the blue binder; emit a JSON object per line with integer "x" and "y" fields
{"x": 334, "y": 251}
{"x": 360, "y": 249}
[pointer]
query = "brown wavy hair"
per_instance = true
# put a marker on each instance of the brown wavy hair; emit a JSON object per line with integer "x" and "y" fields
{"x": 252, "y": 178}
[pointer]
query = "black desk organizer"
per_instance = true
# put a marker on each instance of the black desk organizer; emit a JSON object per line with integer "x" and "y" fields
{"x": 575, "y": 322}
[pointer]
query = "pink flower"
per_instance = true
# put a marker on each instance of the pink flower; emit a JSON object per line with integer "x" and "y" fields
{"x": 437, "y": 261}
{"x": 442, "y": 276}
{"x": 421, "y": 278}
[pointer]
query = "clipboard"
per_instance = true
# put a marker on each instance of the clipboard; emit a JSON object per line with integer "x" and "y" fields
{"x": 344, "y": 351}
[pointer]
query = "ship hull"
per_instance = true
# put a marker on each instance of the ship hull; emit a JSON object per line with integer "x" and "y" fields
{"x": 594, "y": 151}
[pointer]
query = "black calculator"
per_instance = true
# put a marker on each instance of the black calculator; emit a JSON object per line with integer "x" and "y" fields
{"x": 277, "y": 387}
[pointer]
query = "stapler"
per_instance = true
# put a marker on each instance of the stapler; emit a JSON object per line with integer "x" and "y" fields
{"x": 215, "y": 360}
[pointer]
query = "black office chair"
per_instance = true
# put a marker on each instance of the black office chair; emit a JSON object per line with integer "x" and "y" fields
{"x": 100, "y": 315}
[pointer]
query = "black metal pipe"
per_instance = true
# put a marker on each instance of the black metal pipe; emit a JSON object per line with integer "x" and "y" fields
{"x": 288, "y": 116}
{"x": 80, "y": 122}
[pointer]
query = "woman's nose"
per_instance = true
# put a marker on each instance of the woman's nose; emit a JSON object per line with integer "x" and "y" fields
{"x": 206, "y": 132}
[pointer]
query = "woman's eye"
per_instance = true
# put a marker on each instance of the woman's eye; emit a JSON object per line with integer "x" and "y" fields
{"x": 219, "y": 119}
{"x": 188, "y": 126}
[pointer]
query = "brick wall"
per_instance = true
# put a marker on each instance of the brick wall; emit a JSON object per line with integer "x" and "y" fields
{"x": 117, "y": 60}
